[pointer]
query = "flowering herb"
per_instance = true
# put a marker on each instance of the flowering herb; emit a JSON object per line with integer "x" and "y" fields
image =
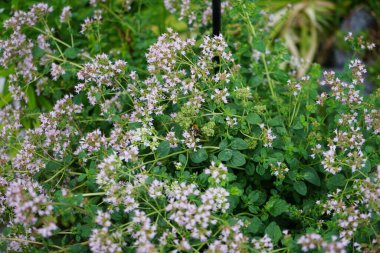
{"x": 110, "y": 145}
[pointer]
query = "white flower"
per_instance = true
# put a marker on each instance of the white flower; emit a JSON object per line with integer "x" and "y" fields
{"x": 65, "y": 15}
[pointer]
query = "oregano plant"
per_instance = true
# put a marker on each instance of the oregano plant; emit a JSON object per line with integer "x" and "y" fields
{"x": 118, "y": 135}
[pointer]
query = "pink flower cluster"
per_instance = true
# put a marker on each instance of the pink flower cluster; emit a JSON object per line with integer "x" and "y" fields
{"x": 17, "y": 49}
{"x": 267, "y": 136}
{"x": 186, "y": 11}
{"x": 218, "y": 173}
{"x": 103, "y": 240}
{"x": 344, "y": 92}
{"x": 29, "y": 203}
{"x": 101, "y": 72}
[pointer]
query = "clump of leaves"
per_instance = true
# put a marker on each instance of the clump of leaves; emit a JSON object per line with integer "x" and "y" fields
{"x": 182, "y": 153}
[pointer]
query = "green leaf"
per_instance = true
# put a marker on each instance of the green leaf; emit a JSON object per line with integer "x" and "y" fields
{"x": 255, "y": 225}
{"x": 260, "y": 170}
{"x": 280, "y": 75}
{"x": 223, "y": 144}
{"x": 276, "y": 206}
{"x": 239, "y": 144}
{"x": 259, "y": 45}
{"x": 51, "y": 166}
{"x": 281, "y": 130}
{"x": 6, "y": 231}
{"x": 45, "y": 103}
{"x": 237, "y": 160}
{"x": 253, "y": 118}
{"x": 336, "y": 181}
{"x": 4, "y": 100}
{"x": 274, "y": 232}
{"x": 300, "y": 187}
{"x": 77, "y": 248}
{"x": 276, "y": 121}
{"x": 199, "y": 156}
{"x": 234, "y": 201}
{"x": 257, "y": 197}
{"x": 311, "y": 108}
{"x": 278, "y": 156}
{"x": 254, "y": 196}
{"x": 182, "y": 159}
{"x": 81, "y": 177}
{"x": 235, "y": 191}
{"x": 30, "y": 93}
{"x": 163, "y": 149}
{"x": 253, "y": 209}
{"x": 71, "y": 52}
{"x": 297, "y": 125}
{"x": 311, "y": 176}
{"x": 86, "y": 231}
{"x": 315, "y": 71}
{"x": 231, "y": 177}
{"x": 225, "y": 155}
{"x": 250, "y": 169}
{"x": 256, "y": 81}
{"x": 38, "y": 52}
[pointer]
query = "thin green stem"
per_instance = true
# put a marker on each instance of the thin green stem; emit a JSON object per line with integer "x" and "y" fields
{"x": 278, "y": 250}
{"x": 29, "y": 241}
{"x": 295, "y": 111}
{"x": 52, "y": 36}
{"x": 93, "y": 194}
{"x": 64, "y": 61}
{"x": 270, "y": 83}
{"x": 71, "y": 34}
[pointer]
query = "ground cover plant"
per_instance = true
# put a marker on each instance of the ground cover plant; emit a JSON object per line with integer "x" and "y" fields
{"x": 121, "y": 134}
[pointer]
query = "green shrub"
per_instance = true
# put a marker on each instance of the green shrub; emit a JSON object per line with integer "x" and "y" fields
{"x": 108, "y": 152}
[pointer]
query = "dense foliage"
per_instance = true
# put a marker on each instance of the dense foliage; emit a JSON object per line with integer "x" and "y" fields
{"x": 117, "y": 139}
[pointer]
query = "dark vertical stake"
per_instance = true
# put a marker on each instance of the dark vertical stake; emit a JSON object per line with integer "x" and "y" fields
{"x": 216, "y": 17}
{"x": 216, "y": 23}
